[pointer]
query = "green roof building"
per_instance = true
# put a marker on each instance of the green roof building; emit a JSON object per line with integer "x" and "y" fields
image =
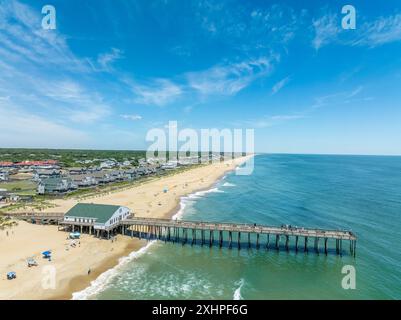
{"x": 99, "y": 216}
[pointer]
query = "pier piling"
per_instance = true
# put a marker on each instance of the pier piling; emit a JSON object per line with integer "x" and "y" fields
{"x": 177, "y": 231}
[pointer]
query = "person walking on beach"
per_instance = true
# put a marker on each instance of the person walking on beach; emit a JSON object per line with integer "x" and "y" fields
{"x": 89, "y": 271}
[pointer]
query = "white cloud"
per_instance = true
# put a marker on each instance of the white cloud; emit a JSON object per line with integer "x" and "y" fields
{"x": 270, "y": 121}
{"x": 159, "y": 92}
{"x": 337, "y": 98}
{"x": 38, "y": 71}
{"x": 23, "y": 41}
{"x": 381, "y": 31}
{"x": 326, "y": 29}
{"x": 132, "y": 117}
{"x": 105, "y": 60}
{"x": 373, "y": 33}
{"x": 279, "y": 85}
{"x": 22, "y": 129}
{"x": 229, "y": 79}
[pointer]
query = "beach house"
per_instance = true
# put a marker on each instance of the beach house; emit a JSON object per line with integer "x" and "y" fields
{"x": 55, "y": 185}
{"x": 96, "y": 218}
{"x": 4, "y": 176}
{"x": 40, "y": 174}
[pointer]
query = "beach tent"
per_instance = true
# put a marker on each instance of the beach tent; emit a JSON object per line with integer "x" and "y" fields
{"x": 47, "y": 254}
{"x": 31, "y": 262}
{"x": 75, "y": 235}
{"x": 11, "y": 275}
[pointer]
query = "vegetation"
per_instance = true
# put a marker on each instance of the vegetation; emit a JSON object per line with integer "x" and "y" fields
{"x": 6, "y": 222}
{"x": 21, "y": 187}
{"x": 69, "y": 158}
{"x": 74, "y": 158}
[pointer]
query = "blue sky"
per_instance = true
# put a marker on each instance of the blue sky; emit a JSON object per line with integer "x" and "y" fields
{"x": 112, "y": 70}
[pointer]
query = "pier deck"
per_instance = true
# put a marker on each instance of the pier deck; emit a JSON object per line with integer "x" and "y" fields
{"x": 217, "y": 233}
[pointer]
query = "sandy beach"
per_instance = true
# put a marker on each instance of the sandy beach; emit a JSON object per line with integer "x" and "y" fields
{"x": 72, "y": 263}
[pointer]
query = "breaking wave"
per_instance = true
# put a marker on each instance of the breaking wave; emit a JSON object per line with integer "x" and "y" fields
{"x": 237, "y": 292}
{"x": 101, "y": 281}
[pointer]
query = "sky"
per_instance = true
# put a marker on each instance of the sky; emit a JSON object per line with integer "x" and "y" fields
{"x": 113, "y": 70}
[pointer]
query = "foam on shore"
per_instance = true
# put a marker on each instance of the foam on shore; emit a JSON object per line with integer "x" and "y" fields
{"x": 101, "y": 281}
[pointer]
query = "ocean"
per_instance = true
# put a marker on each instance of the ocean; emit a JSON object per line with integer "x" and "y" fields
{"x": 358, "y": 193}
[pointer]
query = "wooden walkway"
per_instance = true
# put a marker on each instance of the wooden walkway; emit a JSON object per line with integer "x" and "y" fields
{"x": 222, "y": 233}
{"x": 218, "y": 233}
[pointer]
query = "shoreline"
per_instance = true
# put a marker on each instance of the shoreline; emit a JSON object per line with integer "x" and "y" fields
{"x": 80, "y": 283}
{"x": 203, "y": 179}
{"x": 168, "y": 215}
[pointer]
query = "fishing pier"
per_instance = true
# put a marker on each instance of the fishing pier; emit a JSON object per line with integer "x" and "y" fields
{"x": 239, "y": 235}
{"x": 212, "y": 234}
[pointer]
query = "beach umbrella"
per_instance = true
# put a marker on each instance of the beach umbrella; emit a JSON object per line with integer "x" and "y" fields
{"x": 11, "y": 275}
{"x": 46, "y": 254}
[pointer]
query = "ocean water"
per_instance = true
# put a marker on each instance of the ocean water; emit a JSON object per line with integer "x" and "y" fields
{"x": 360, "y": 193}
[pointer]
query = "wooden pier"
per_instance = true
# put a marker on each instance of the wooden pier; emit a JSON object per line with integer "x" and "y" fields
{"x": 221, "y": 234}
{"x": 229, "y": 234}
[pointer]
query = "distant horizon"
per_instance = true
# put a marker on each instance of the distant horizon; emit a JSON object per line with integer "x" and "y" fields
{"x": 255, "y": 153}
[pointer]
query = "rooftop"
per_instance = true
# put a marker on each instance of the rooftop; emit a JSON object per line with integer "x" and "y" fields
{"x": 102, "y": 212}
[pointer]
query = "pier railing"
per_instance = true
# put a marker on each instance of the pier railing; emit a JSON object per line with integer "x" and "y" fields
{"x": 216, "y": 232}
{"x": 177, "y": 231}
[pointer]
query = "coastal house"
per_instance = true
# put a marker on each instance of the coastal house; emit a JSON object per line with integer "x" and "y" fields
{"x": 4, "y": 176}
{"x": 130, "y": 174}
{"x": 12, "y": 197}
{"x": 169, "y": 165}
{"x": 117, "y": 175}
{"x": 40, "y": 174}
{"x": 55, "y": 185}
{"x": 99, "y": 218}
{"x": 3, "y": 194}
{"x": 102, "y": 177}
{"x": 141, "y": 171}
{"x": 7, "y": 164}
{"x": 108, "y": 164}
{"x": 76, "y": 170}
{"x": 47, "y": 164}
{"x": 82, "y": 181}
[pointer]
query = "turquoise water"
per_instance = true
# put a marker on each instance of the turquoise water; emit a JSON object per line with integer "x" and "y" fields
{"x": 360, "y": 193}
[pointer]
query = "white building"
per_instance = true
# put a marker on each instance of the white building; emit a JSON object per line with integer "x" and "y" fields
{"x": 99, "y": 218}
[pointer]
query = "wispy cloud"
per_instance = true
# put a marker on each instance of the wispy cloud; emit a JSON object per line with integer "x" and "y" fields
{"x": 41, "y": 80}
{"x": 105, "y": 60}
{"x": 380, "y": 31}
{"x": 268, "y": 121}
{"x": 338, "y": 98}
{"x": 248, "y": 28}
{"x": 34, "y": 45}
{"x": 279, "y": 85}
{"x": 23, "y": 129}
{"x": 374, "y": 33}
{"x": 158, "y": 92}
{"x": 326, "y": 29}
{"x": 230, "y": 79}
{"x": 133, "y": 117}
